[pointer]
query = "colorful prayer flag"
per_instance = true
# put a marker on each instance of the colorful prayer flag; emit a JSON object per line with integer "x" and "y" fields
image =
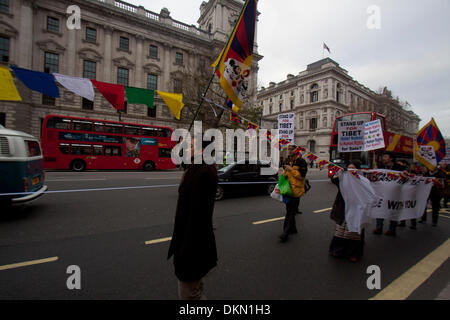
{"x": 312, "y": 157}
{"x": 140, "y": 96}
{"x": 80, "y": 86}
{"x": 37, "y": 81}
{"x": 322, "y": 164}
{"x": 8, "y": 90}
{"x": 174, "y": 101}
{"x": 234, "y": 63}
{"x": 114, "y": 93}
{"x": 333, "y": 169}
{"x": 235, "y": 118}
{"x": 251, "y": 125}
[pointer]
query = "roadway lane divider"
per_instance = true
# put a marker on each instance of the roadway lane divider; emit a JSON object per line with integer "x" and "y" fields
{"x": 156, "y": 241}
{"x": 27, "y": 263}
{"x": 402, "y": 287}
{"x": 267, "y": 221}
{"x": 322, "y": 210}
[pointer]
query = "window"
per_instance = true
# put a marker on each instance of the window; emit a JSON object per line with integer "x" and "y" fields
{"x": 314, "y": 96}
{"x": 165, "y": 153}
{"x": 64, "y": 148}
{"x": 48, "y": 101}
{"x": 153, "y": 52}
{"x": 152, "y": 82}
{"x": 122, "y": 76}
{"x": 98, "y": 127}
{"x": 124, "y": 43}
{"x": 150, "y": 132}
{"x": 4, "y": 49}
{"x": 97, "y": 150}
{"x": 179, "y": 58}
{"x": 53, "y": 24}
{"x": 89, "y": 69}
{"x": 312, "y": 146}
{"x": 87, "y": 104}
{"x": 91, "y": 35}
{"x": 2, "y": 119}
{"x": 58, "y": 123}
{"x": 113, "y": 151}
{"x": 151, "y": 112}
{"x": 292, "y": 104}
{"x": 4, "y": 6}
{"x": 81, "y": 149}
{"x": 33, "y": 148}
{"x": 113, "y": 128}
{"x": 177, "y": 86}
{"x": 313, "y": 125}
{"x": 51, "y": 63}
{"x": 132, "y": 130}
{"x": 79, "y": 125}
{"x": 281, "y": 107}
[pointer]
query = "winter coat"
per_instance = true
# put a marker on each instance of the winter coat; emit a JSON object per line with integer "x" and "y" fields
{"x": 297, "y": 175}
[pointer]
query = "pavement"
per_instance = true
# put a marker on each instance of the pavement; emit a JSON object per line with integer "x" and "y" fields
{"x": 116, "y": 227}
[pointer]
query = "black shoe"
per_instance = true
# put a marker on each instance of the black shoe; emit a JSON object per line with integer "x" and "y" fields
{"x": 283, "y": 238}
{"x": 299, "y": 212}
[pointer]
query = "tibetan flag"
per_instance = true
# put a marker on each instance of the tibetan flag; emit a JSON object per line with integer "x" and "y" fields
{"x": 269, "y": 135}
{"x": 233, "y": 66}
{"x": 80, "y": 86}
{"x": 322, "y": 164}
{"x": 312, "y": 157}
{"x": 251, "y": 125}
{"x": 333, "y": 169}
{"x": 174, "y": 102}
{"x": 230, "y": 104}
{"x": 283, "y": 143}
{"x": 140, "y": 96}
{"x": 37, "y": 81}
{"x": 114, "y": 93}
{"x": 8, "y": 90}
{"x": 235, "y": 118}
{"x": 430, "y": 145}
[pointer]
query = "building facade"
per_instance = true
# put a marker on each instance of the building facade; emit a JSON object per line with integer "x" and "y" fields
{"x": 117, "y": 42}
{"x": 321, "y": 93}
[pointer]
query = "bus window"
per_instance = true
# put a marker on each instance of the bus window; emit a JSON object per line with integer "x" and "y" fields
{"x": 167, "y": 133}
{"x": 81, "y": 149}
{"x": 383, "y": 122}
{"x": 149, "y": 132}
{"x": 366, "y": 117}
{"x": 113, "y": 151}
{"x": 81, "y": 125}
{"x": 58, "y": 123}
{"x": 98, "y": 127}
{"x": 97, "y": 151}
{"x": 165, "y": 153}
{"x": 132, "y": 130}
{"x": 64, "y": 148}
{"x": 33, "y": 148}
{"x": 113, "y": 128}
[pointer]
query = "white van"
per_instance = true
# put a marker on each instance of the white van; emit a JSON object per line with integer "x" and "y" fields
{"x": 21, "y": 167}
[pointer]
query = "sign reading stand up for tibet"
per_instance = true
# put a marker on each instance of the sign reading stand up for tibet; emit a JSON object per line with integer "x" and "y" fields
{"x": 286, "y": 126}
{"x": 357, "y": 136}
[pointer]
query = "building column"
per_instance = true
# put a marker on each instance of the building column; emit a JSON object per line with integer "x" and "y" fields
{"x": 71, "y": 55}
{"x": 139, "y": 67}
{"x": 25, "y": 41}
{"x": 107, "y": 61}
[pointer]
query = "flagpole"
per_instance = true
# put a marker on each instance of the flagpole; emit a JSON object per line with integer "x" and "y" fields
{"x": 217, "y": 66}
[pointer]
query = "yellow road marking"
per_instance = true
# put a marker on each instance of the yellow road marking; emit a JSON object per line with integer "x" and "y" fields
{"x": 444, "y": 216}
{"x": 407, "y": 283}
{"x": 27, "y": 263}
{"x": 158, "y": 240}
{"x": 269, "y": 220}
{"x": 323, "y": 210}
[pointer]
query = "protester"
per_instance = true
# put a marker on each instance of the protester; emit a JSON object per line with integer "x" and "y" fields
{"x": 446, "y": 169}
{"x": 193, "y": 243}
{"x": 295, "y": 170}
{"x": 388, "y": 162}
{"x": 345, "y": 244}
{"x": 436, "y": 195}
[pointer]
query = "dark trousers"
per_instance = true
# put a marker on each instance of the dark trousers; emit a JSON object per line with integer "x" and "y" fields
{"x": 436, "y": 206}
{"x": 289, "y": 226}
{"x": 392, "y": 225}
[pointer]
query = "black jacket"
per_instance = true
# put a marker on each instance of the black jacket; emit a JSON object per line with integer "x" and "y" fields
{"x": 338, "y": 211}
{"x": 193, "y": 243}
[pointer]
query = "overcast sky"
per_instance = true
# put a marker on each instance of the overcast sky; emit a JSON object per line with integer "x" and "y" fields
{"x": 410, "y": 53}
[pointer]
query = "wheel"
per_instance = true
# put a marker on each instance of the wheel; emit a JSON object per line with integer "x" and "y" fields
{"x": 219, "y": 193}
{"x": 270, "y": 188}
{"x": 78, "y": 165}
{"x": 149, "y": 166}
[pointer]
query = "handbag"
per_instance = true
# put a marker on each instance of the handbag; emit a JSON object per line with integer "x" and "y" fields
{"x": 284, "y": 186}
{"x": 276, "y": 194}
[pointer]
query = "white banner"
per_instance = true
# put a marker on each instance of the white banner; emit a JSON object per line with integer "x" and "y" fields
{"x": 351, "y": 136}
{"x": 286, "y": 128}
{"x": 385, "y": 194}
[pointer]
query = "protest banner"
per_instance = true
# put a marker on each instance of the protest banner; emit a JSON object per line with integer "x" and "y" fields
{"x": 373, "y": 136}
{"x": 351, "y": 136}
{"x": 286, "y": 128}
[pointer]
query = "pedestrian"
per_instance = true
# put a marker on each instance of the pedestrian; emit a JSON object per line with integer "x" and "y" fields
{"x": 193, "y": 244}
{"x": 436, "y": 195}
{"x": 345, "y": 244}
{"x": 295, "y": 170}
{"x": 446, "y": 169}
{"x": 388, "y": 162}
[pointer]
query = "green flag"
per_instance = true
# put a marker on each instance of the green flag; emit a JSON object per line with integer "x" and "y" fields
{"x": 140, "y": 96}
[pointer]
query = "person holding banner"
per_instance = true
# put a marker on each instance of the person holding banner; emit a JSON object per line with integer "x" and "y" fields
{"x": 345, "y": 244}
{"x": 436, "y": 195}
{"x": 446, "y": 169}
{"x": 295, "y": 170}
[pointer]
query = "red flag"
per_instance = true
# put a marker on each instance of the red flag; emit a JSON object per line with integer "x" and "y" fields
{"x": 114, "y": 93}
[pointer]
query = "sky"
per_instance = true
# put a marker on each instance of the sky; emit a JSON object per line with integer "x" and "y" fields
{"x": 409, "y": 52}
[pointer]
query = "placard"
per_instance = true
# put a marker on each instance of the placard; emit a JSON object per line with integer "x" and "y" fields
{"x": 373, "y": 136}
{"x": 286, "y": 129}
{"x": 351, "y": 136}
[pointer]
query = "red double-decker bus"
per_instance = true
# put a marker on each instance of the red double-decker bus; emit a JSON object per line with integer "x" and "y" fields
{"x": 400, "y": 146}
{"x": 81, "y": 144}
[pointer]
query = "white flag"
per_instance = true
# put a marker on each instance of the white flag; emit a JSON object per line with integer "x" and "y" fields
{"x": 81, "y": 86}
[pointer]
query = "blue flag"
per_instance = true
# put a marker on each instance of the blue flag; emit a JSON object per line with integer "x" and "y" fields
{"x": 37, "y": 81}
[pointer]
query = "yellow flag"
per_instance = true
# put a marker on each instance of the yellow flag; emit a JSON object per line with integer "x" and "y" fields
{"x": 174, "y": 101}
{"x": 8, "y": 90}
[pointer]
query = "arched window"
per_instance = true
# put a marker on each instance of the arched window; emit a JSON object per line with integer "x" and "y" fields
{"x": 314, "y": 93}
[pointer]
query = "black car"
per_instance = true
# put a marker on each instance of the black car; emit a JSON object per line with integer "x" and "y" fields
{"x": 244, "y": 178}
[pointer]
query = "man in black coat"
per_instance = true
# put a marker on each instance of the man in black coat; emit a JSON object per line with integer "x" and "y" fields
{"x": 193, "y": 244}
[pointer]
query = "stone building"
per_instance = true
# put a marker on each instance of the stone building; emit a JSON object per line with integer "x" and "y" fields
{"x": 321, "y": 93}
{"x": 117, "y": 43}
